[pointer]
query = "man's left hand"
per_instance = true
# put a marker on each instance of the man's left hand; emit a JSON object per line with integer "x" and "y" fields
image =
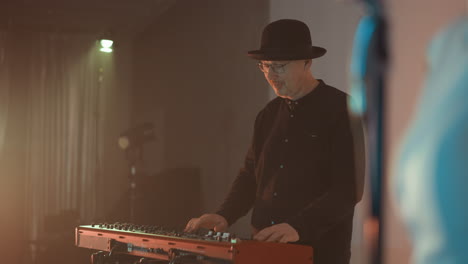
{"x": 282, "y": 233}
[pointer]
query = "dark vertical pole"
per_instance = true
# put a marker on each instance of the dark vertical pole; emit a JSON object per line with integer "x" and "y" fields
{"x": 368, "y": 68}
{"x": 382, "y": 60}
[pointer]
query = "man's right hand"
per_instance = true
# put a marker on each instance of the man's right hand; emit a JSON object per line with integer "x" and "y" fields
{"x": 208, "y": 221}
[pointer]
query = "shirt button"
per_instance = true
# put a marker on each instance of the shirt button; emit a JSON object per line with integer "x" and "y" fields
{"x": 281, "y": 166}
{"x": 291, "y": 115}
{"x": 286, "y": 140}
{"x": 275, "y": 194}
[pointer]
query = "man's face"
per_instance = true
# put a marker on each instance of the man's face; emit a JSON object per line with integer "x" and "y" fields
{"x": 285, "y": 77}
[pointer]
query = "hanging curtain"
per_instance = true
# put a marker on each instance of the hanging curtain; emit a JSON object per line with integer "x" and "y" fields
{"x": 4, "y": 89}
{"x": 62, "y": 167}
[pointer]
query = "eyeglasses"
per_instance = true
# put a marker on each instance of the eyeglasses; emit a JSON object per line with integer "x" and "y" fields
{"x": 277, "y": 68}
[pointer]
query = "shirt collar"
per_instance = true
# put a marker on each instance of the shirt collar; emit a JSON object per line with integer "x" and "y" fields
{"x": 292, "y": 104}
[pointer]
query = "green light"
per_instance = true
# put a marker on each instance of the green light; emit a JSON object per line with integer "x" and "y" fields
{"x": 106, "y": 45}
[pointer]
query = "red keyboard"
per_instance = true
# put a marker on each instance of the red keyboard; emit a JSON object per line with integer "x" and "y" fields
{"x": 155, "y": 242}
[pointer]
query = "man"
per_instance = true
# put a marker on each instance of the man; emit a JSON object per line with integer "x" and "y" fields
{"x": 299, "y": 173}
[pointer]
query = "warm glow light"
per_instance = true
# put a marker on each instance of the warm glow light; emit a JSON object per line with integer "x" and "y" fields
{"x": 106, "y": 45}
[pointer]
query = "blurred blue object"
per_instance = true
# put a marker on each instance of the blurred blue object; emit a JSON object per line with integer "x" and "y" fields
{"x": 359, "y": 63}
{"x": 432, "y": 169}
{"x": 367, "y": 90}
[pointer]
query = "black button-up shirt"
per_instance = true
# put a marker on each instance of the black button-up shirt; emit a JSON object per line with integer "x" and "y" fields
{"x": 300, "y": 170}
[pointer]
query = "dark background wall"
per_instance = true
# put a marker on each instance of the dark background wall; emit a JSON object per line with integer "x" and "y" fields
{"x": 194, "y": 81}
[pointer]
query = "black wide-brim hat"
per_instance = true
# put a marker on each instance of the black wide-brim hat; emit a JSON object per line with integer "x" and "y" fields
{"x": 286, "y": 39}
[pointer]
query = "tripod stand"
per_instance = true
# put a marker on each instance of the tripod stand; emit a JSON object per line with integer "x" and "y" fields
{"x": 135, "y": 160}
{"x": 132, "y": 142}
